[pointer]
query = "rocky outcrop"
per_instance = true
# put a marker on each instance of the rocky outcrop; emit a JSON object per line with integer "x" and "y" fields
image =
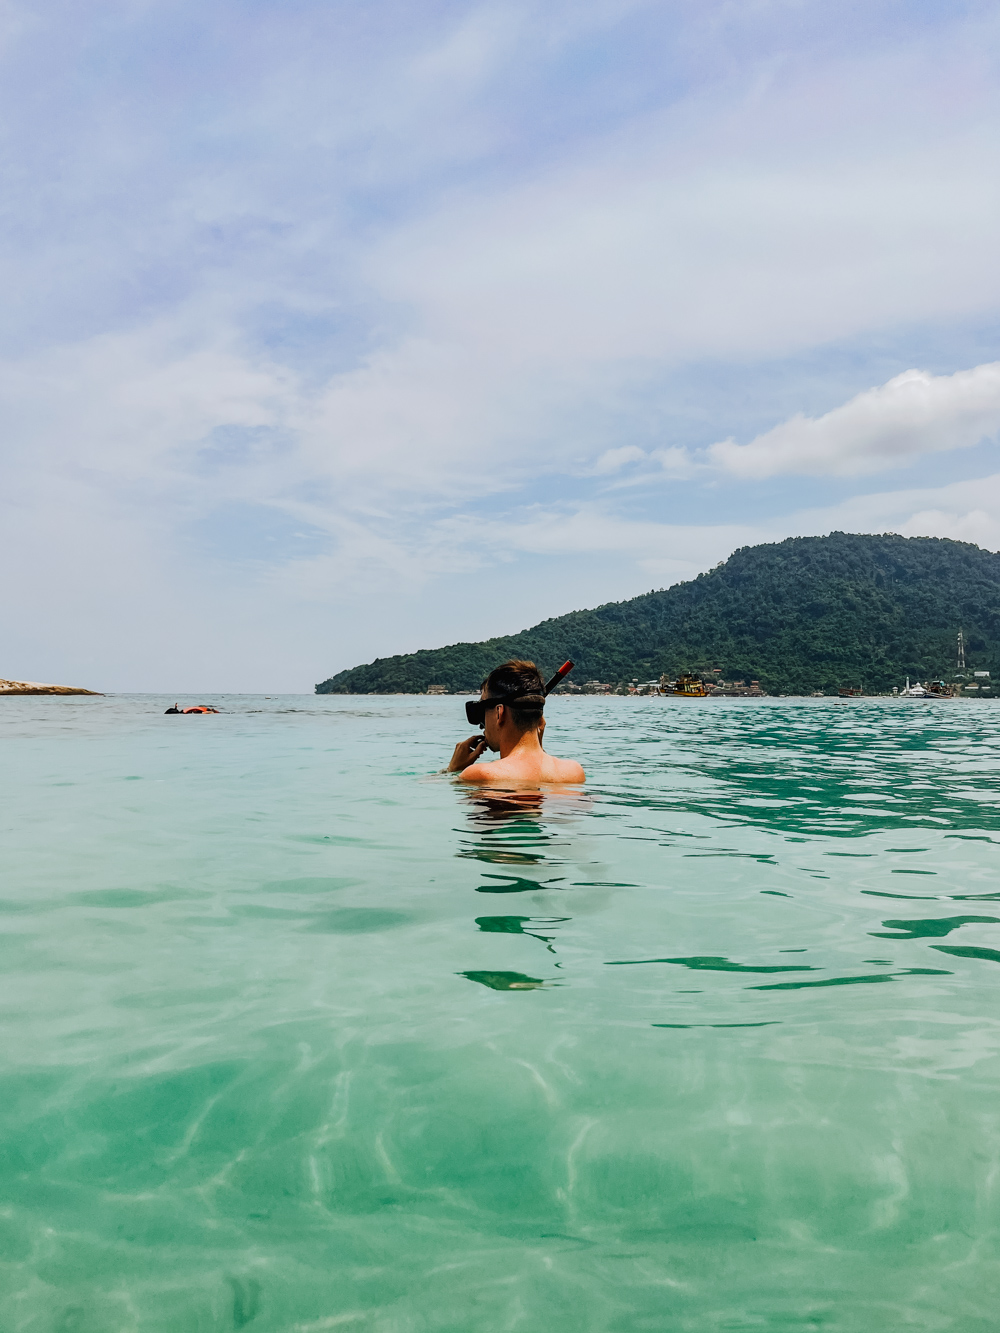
{"x": 33, "y": 687}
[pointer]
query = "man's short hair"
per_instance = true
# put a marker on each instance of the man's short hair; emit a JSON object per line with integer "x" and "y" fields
{"x": 514, "y": 679}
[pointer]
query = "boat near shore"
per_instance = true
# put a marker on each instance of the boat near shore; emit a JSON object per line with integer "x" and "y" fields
{"x": 689, "y": 686}
{"x": 685, "y": 687}
{"x": 935, "y": 689}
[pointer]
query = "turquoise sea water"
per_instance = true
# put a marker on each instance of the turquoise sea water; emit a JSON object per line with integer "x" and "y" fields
{"x": 300, "y": 1037}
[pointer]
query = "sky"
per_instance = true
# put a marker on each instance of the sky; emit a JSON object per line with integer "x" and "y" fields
{"x": 332, "y": 331}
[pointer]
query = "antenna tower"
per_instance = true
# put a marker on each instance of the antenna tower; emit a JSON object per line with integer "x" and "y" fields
{"x": 961, "y": 651}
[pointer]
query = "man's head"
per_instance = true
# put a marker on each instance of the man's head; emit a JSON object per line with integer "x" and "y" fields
{"x": 515, "y": 680}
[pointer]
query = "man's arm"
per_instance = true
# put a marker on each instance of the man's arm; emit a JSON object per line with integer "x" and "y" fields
{"x": 466, "y": 753}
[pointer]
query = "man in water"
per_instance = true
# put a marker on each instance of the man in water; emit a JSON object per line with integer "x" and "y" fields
{"x": 514, "y": 696}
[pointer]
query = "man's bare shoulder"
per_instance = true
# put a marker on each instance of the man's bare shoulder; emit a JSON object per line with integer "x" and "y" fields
{"x": 565, "y": 770}
{"x": 552, "y": 770}
{"x": 500, "y": 770}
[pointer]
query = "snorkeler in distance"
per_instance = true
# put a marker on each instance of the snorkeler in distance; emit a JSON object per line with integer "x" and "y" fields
{"x": 509, "y": 710}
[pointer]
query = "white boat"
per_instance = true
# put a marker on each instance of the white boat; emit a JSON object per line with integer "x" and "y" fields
{"x": 918, "y": 691}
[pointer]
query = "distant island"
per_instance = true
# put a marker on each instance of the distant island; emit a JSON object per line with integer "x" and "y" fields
{"x": 803, "y": 615}
{"x": 34, "y": 687}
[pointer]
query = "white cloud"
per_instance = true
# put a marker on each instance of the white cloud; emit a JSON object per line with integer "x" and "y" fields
{"x": 130, "y": 405}
{"x": 518, "y": 312}
{"x": 675, "y": 462}
{"x": 722, "y": 227}
{"x": 962, "y": 510}
{"x": 613, "y": 460}
{"x": 725, "y": 227}
{"x": 913, "y": 414}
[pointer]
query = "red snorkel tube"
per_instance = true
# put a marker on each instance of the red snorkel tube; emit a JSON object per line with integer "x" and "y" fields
{"x": 564, "y": 670}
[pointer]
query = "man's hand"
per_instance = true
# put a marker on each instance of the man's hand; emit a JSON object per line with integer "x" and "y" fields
{"x": 466, "y": 753}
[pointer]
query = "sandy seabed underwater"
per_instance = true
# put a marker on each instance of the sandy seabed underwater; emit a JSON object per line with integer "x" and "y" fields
{"x": 298, "y": 1036}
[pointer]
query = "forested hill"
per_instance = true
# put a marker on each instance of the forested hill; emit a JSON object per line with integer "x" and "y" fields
{"x": 809, "y": 613}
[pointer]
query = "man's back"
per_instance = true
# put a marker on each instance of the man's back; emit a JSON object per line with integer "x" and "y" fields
{"x": 528, "y": 765}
